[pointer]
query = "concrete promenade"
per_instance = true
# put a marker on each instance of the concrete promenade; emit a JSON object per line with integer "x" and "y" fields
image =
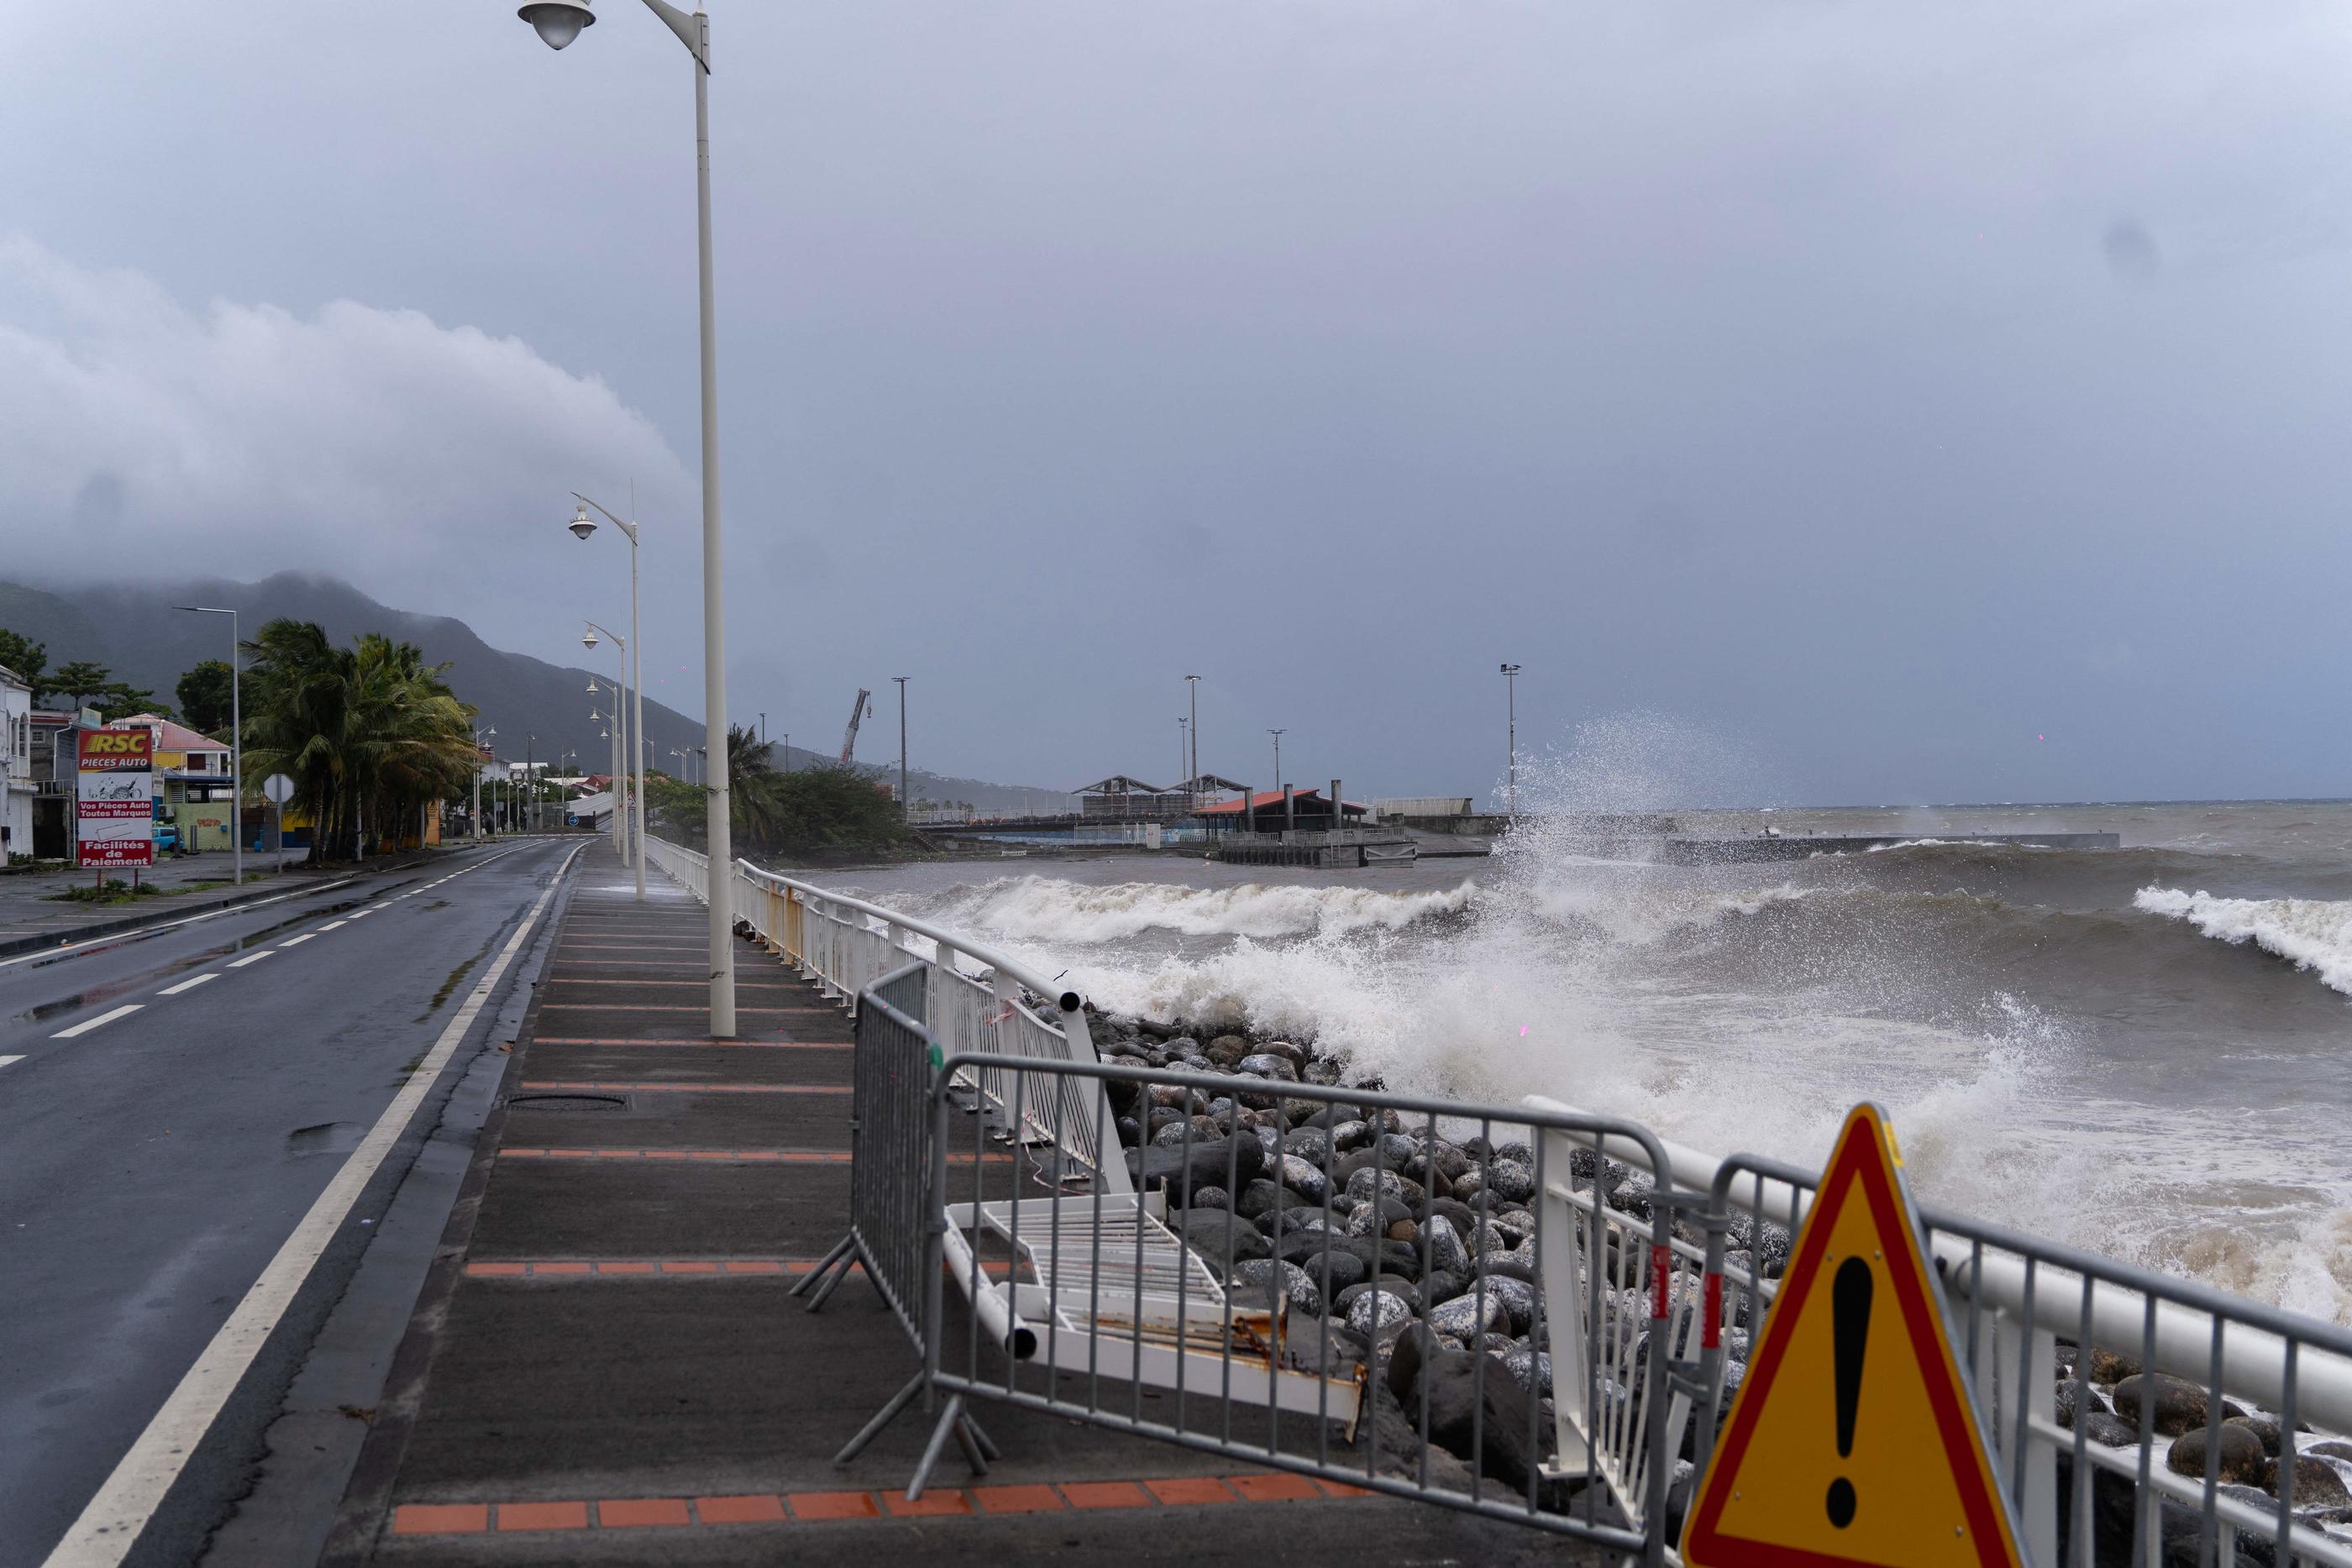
{"x": 604, "y": 1365}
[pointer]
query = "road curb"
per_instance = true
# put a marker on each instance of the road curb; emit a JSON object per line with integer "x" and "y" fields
{"x": 66, "y": 936}
{"x": 365, "y": 1511}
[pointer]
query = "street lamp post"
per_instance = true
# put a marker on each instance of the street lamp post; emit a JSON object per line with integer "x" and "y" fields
{"x": 558, "y": 21}
{"x": 620, "y": 699}
{"x": 1278, "y": 759}
{"x": 1192, "y": 772}
{"x": 480, "y": 735}
{"x": 1184, "y": 757}
{"x": 1511, "y": 698}
{"x": 904, "y": 803}
{"x": 620, "y": 796}
{"x": 235, "y": 744}
{"x": 632, "y": 675}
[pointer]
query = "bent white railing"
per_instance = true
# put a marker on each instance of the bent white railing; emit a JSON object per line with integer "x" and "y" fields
{"x": 2012, "y": 1299}
{"x": 846, "y": 944}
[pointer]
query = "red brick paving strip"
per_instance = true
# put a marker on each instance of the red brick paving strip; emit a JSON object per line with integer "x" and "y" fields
{"x": 629, "y": 1512}
{"x": 440, "y": 1519}
{"x": 833, "y": 1505}
{"x": 542, "y": 1516}
{"x": 769, "y": 1507}
{"x": 1178, "y": 1489}
{"x": 756, "y": 1508}
{"x": 1105, "y": 1494}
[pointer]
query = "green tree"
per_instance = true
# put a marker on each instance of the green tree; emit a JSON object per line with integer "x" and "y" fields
{"x": 369, "y": 734}
{"x": 92, "y": 685}
{"x": 81, "y": 681}
{"x": 204, "y": 693}
{"x": 29, "y": 659}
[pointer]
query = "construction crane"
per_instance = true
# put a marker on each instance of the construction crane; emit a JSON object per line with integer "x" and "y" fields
{"x": 857, "y": 710}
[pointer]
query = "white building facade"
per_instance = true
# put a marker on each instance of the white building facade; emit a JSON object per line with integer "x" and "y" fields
{"x": 17, "y": 787}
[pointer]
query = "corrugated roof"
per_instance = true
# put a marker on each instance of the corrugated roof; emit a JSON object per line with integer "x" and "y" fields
{"x": 1266, "y": 799}
{"x": 170, "y": 736}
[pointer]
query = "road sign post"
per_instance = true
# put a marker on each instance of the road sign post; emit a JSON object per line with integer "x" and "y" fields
{"x": 1853, "y": 1438}
{"x": 277, "y": 789}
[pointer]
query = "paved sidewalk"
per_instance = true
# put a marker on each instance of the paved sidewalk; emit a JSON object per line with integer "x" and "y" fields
{"x": 606, "y": 1367}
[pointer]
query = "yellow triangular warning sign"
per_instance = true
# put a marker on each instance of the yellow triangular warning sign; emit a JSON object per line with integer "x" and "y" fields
{"x": 1852, "y": 1440}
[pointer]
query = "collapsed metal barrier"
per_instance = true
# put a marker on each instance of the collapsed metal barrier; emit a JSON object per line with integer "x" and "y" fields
{"x": 2034, "y": 1325}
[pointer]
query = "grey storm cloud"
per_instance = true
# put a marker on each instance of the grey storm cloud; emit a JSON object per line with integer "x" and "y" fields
{"x": 1845, "y": 384}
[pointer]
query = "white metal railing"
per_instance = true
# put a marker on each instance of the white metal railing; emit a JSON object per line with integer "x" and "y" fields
{"x": 2013, "y": 1299}
{"x": 1006, "y": 1008}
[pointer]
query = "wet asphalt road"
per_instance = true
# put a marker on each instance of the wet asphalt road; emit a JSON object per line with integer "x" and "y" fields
{"x": 152, "y": 1164}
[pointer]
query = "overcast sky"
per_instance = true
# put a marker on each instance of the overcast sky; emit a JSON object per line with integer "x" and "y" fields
{"x": 1920, "y": 403}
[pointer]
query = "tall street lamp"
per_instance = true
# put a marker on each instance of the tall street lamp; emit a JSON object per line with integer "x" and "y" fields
{"x": 1511, "y": 699}
{"x": 1192, "y": 773}
{"x": 1184, "y": 757}
{"x": 479, "y": 737}
{"x": 558, "y": 21}
{"x": 619, "y": 799}
{"x": 621, "y": 697}
{"x": 1278, "y": 759}
{"x": 904, "y": 803}
{"x": 632, "y": 675}
{"x": 235, "y": 744}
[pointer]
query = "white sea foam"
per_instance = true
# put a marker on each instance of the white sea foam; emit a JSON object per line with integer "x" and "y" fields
{"x": 2310, "y": 933}
{"x": 1045, "y": 909}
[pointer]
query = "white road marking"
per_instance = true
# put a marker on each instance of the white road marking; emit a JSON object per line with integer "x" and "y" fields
{"x": 5, "y": 1061}
{"x": 189, "y": 985}
{"x": 110, "y": 1524}
{"x": 170, "y": 924}
{"x": 125, "y": 1010}
{"x": 291, "y": 941}
{"x": 330, "y": 924}
{"x": 252, "y": 959}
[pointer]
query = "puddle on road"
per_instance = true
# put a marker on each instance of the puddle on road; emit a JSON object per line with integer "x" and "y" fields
{"x": 457, "y": 976}
{"x": 326, "y": 1138}
{"x": 213, "y": 954}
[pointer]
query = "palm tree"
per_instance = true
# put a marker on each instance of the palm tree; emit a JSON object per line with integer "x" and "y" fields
{"x": 369, "y": 734}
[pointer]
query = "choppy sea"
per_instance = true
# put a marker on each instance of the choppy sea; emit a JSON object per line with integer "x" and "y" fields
{"x": 2145, "y": 1051}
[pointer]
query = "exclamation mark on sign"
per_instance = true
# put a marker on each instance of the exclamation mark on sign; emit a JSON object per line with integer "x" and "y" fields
{"x": 1850, "y": 1325}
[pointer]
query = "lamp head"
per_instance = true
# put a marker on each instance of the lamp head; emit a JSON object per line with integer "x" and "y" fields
{"x": 581, "y": 524}
{"x": 557, "y": 22}
{"x": 588, "y": 638}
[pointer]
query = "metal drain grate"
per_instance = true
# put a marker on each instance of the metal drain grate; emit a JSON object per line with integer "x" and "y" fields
{"x": 570, "y": 1102}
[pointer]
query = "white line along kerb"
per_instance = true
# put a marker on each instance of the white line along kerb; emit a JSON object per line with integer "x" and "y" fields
{"x": 107, "y": 1528}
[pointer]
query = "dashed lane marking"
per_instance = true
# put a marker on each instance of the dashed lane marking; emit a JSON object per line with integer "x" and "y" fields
{"x": 939, "y": 1502}
{"x": 7, "y": 1060}
{"x": 87, "y": 1025}
{"x": 297, "y": 941}
{"x": 330, "y": 924}
{"x": 252, "y": 959}
{"x": 189, "y": 984}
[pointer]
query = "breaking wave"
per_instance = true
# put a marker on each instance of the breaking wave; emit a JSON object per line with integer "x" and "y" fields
{"x": 1044, "y": 909}
{"x": 2309, "y": 933}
